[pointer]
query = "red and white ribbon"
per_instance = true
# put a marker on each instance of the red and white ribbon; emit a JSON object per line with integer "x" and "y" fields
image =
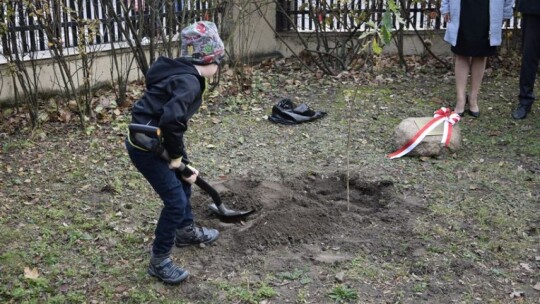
{"x": 442, "y": 115}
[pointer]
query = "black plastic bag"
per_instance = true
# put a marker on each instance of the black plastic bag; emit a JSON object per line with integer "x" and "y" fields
{"x": 287, "y": 113}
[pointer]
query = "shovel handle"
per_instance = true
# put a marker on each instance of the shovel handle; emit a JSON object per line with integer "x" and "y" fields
{"x": 201, "y": 183}
{"x": 209, "y": 190}
{"x": 145, "y": 129}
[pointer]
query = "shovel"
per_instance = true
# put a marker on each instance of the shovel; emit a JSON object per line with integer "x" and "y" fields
{"x": 149, "y": 137}
{"x": 217, "y": 206}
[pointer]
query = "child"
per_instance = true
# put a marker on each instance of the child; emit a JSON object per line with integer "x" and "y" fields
{"x": 174, "y": 89}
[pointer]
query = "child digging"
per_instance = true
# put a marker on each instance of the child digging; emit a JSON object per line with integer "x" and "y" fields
{"x": 174, "y": 89}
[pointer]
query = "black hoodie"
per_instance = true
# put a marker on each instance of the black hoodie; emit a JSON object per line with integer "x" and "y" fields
{"x": 173, "y": 94}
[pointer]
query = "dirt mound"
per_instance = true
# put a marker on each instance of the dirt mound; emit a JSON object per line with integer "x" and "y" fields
{"x": 307, "y": 209}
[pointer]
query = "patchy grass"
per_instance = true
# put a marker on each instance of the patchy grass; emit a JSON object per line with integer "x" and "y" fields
{"x": 343, "y": 294}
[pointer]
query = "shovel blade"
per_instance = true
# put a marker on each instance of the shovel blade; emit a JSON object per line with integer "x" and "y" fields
{"x": 225, "y": 212}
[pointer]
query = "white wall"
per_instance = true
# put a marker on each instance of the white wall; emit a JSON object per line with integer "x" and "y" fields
{"x": 49, "y": 76}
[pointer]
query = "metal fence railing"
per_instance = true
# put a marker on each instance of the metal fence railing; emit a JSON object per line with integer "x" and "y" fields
{"x": 341, "y": 16}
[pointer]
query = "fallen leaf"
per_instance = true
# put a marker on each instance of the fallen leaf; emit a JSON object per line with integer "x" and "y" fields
{"x": 526, "y": 267}
{"x": 30, "y": 273}
{"x": 64, "y": 115}
{"x": 64, "y": 288}
{"x": 121, "y": 288}
{"x": 517, "y": 294}
{"x": 537, "y": 286}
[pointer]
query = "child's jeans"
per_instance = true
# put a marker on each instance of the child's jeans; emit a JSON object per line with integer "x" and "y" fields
{"x": 175, "y": 194}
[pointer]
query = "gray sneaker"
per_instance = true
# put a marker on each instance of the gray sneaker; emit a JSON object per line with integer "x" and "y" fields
{"x": 167, "y": 271}
{"x": 191, "y": 235}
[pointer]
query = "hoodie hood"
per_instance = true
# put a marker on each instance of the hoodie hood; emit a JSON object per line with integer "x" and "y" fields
{"x": 165, "y": 67}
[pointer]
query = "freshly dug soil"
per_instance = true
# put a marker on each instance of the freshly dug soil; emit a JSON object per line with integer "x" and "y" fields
{"x": 310, "y": 220}
{"x": 309, "y": 209}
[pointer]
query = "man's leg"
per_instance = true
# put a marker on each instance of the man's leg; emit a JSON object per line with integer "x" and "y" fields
{"x": 529, "y": 64}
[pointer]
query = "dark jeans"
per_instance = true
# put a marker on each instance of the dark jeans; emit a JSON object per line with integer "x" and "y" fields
{"x": 530, "y": 58}
{"x": 175, "y": 193}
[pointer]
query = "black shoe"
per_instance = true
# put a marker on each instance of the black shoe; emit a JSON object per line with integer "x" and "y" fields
{"x": 521, "y": 112}
{"x": 474, "y": 114}
{"x": 191, "y": 235}
{"x": 166, "y": 271}
{"x": 461, "y": 114}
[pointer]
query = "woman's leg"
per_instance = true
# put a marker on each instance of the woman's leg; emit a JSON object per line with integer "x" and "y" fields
{"x": 461, "y": 70}
{"x": 478, "y": 66}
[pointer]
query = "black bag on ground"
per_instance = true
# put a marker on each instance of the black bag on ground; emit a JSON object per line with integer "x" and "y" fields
{"x": 287, "y": 113}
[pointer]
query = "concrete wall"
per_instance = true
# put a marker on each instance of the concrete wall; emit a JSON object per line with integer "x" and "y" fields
{"x": 249, "y": 31}
{"x": 49, "y": 78}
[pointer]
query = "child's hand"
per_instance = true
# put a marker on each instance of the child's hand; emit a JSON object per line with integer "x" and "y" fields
{"x": 191, "y": 179}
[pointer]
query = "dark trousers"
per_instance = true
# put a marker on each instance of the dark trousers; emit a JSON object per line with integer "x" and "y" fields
{"x": 174, "y": 193}
{"x": 530, "y": 58}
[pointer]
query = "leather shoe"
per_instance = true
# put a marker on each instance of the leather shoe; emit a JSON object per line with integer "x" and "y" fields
{"x": 474, "y": 114}
{"x": 521, "y": 112}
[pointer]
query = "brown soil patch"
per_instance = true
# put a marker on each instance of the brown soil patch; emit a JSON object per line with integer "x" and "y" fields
{"x": 301, "y": 222}
{"x": 304, "y": 210}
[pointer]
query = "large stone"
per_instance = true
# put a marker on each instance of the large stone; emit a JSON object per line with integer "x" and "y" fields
{"x": 431, "y": 144}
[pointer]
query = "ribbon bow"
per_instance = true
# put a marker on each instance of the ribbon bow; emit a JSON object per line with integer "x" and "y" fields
{"x": 442, "y": 115}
